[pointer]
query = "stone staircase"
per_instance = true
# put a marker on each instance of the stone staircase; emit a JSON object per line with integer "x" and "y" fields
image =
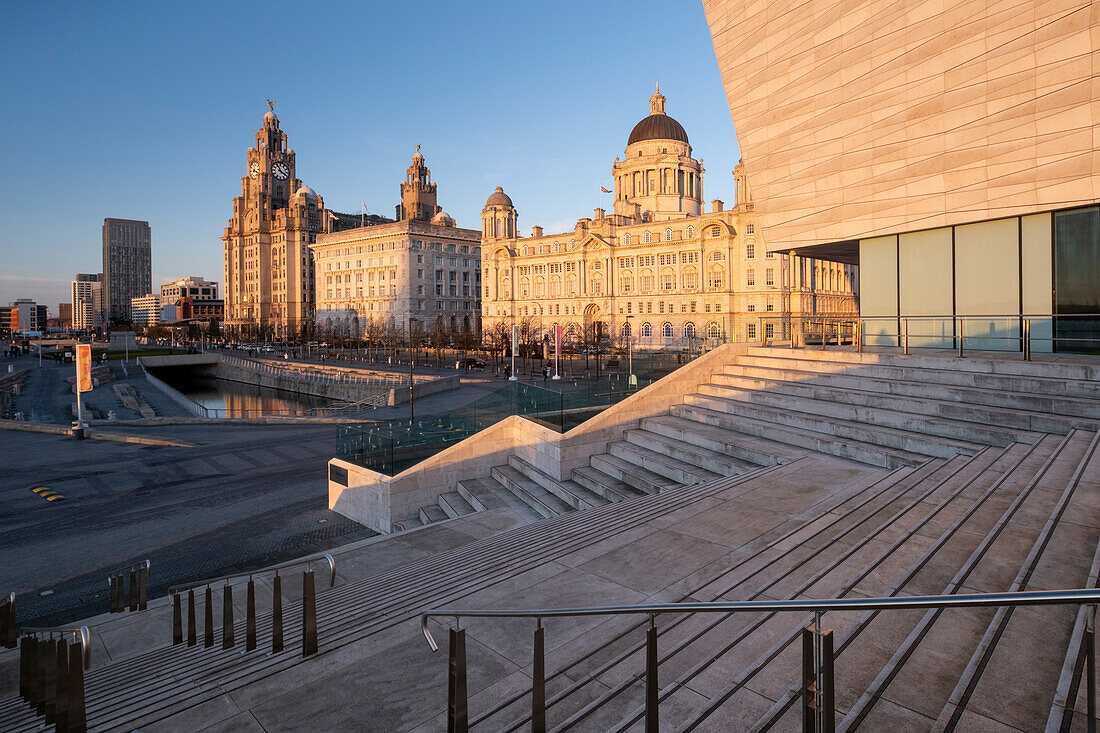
{"x": 795, "y": 510}
{"x": 773, "y": 405}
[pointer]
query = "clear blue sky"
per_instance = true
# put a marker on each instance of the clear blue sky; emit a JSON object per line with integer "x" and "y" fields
{"x": 144, "y": 111}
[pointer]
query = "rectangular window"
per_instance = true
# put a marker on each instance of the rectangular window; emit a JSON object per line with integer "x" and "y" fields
{"x": 769, "y": 276}
{"x": 750, "y": 251}
{"x": 1077, "y": 279}
{"x": 751, "y": 331}
{"x": 750, "y": 277}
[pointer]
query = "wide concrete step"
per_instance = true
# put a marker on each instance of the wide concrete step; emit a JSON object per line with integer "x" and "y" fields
{"x": 529, "y": 492}
{"x": 1072, "y": 380}
{"x": 481, "y": 494}
{"x": 673, "y": 468}
{"x": 605, "y": 485}
{"x": 948, "y": 429}
{"x": 691, "y": 453}
{"x": 431, "y": 513}
{"x": 642, "y": 479}
{"x": 572, "y": 493}
{"x": 852, "y": 441}
{"x": 454, "y": 505}
{"x": 918, "y": 399}
{"x": 722, "y": 440}
{"x": 946, "y": 640}
{"x": 1049, "y": 404}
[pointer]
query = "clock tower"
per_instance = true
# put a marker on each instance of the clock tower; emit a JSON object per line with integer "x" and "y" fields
{"x": 268, "y": 262}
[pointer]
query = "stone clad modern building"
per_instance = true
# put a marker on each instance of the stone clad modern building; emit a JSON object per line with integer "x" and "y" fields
{"x": 419, "y": 273}
{"x": 127, "y": 265}
{"x": 676, "y": 272}
{"x": 948, "y": 149}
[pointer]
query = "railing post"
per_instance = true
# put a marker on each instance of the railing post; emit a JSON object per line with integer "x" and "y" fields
{"x": 1090, "y": 665}
{"x": 905, "y": 336}
{"x": 227, "y": 616}
{"x": 26, "y": 668}
{"x": 250, "y": 617}
{"x": 277, "y": 614}
{"x": 538, "y": 683}
{"x": 177, "y": 619}
{"x": 208, "y": 639}
{"x": 9, "y": 634}
{"x": 191, "y": 620}
{"x": 652, "y": 718}
{"x": 828, "y": 694}
{"x": 808, "y": 681}
{"x": 458, "y": 717}
{"x": 860, "y": 335}
{"x": 78, "y": 721}
{"x": 1026, "y": 336}
{"x": 962, "y": 335}
{"x": 47, "y": 666}
{"x": 309, "y": 614}
{"x": 112, "y": 593}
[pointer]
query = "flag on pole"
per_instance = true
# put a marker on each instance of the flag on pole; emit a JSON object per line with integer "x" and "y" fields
{"x": 515, "y": 340}
{"x": 84, "y": 367}
{"x": 604, "y": 189}
{"x": 365, "y": 209}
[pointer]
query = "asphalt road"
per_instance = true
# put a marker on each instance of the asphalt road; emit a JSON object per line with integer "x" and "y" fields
{"x": 246, "y": 497}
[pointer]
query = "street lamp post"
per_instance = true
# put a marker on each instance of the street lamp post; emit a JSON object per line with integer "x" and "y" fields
{"x": 633, "y": 380}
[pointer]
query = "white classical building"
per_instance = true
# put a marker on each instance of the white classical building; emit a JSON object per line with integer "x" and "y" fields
{"x": 659, "y": 268}
{"x": 420, "y": 273}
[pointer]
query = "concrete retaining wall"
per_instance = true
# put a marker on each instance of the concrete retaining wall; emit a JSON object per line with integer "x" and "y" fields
{"x": 380, "y": 501}
{"x": 176, "y": 396}
{"x": 400, "y": 395}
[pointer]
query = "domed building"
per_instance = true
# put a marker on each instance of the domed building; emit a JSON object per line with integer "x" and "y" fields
{"x": 418, "y": 275}
{"x": 659, "y": 271}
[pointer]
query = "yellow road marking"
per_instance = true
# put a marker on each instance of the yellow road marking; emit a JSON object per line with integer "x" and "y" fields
{"x": 48, "y": 494}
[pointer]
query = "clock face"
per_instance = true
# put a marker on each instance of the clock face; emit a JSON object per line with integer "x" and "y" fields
{"x": 280, "y": 170}
{"x": 254, "y": 170}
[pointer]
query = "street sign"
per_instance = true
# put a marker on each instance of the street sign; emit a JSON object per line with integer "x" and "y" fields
{"x": 84, "y": 367}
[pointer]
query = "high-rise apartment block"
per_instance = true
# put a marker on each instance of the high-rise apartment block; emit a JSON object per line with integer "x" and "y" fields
{"x": 127, "y": 265}
{"x": 87, "y": 290}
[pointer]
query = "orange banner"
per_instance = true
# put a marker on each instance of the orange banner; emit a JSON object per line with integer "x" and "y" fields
{"x": 84, "y": 367}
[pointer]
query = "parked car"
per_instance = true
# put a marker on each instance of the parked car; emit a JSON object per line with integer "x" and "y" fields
{"x": 470, "y": 363}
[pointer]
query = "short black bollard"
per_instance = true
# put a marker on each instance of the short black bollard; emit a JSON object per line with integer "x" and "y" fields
{"x": 250, "y": 617}
{"x": 227, "y": 616}
{"x": 133, "y": 590}
{"x": 177, "y": 619}
{"x": 209, "y": 630}
{"x": 309, "y": 614}
{"x": 61, "y": 705}
{"x": 48, "y": 660}
{"x": 143, "y": 587}
{"x": 192, "y": 622}
{"x": 277, "y": 615}
{"x": 78, "y": 721}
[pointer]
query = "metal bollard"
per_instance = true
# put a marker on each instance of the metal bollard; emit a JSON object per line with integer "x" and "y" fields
{"x": 112, "y": 594}
{"x": 61, "y": 704}
{"x": 177, "y": 619}
{"x": 962, "y": 336}
{"x": 309, "y": 614}
{"x": 250, "y": 617}
{"x": 143, "y": 583}
{"x": 78, "y": 721}
{"x": 277, "y": 615}
{"x": 227, "y": 616}
{"x": 133, "y": 590}
{"x": 905, "y": 337}
{"x": 191, "y": 620}
{"x": 208, "y": 639}
{"x": 47, "y": 661}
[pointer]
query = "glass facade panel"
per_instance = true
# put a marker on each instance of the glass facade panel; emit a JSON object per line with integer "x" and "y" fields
{"x": 1077, "y": 280}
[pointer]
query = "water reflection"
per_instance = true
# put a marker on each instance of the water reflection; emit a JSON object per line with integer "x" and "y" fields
{"x": 233, "y": 399}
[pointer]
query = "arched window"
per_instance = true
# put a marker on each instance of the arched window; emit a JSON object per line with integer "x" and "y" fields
{"x": 666, "y": 330}
{"x": 668, "y": 235}
{"x": 689, "y": 233}
{"x": 626, "y": 239}
{"x": 507, "y": 288}
{"x": 646, "y": 238}
{"x": 557, "y": 246}
{"x": 647, "y": 330}
{"x": 526, "y": 250}
{"x": 713, "y": 331}
{"x": 625, "y": 330}
{"x": 689, "y": 330}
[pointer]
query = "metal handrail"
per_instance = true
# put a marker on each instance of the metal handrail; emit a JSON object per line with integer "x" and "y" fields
{"x": 84, "y": 632}
{"x": 136, "y": 566}
{"x": 308, "y": 561}
{"x": 970, "y": 600}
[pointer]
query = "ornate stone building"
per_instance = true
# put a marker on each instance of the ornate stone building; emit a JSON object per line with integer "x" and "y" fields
{"x": 416, "y": 273}
{"x": 659, "y": 268}
{"x": 269, "y": 282}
